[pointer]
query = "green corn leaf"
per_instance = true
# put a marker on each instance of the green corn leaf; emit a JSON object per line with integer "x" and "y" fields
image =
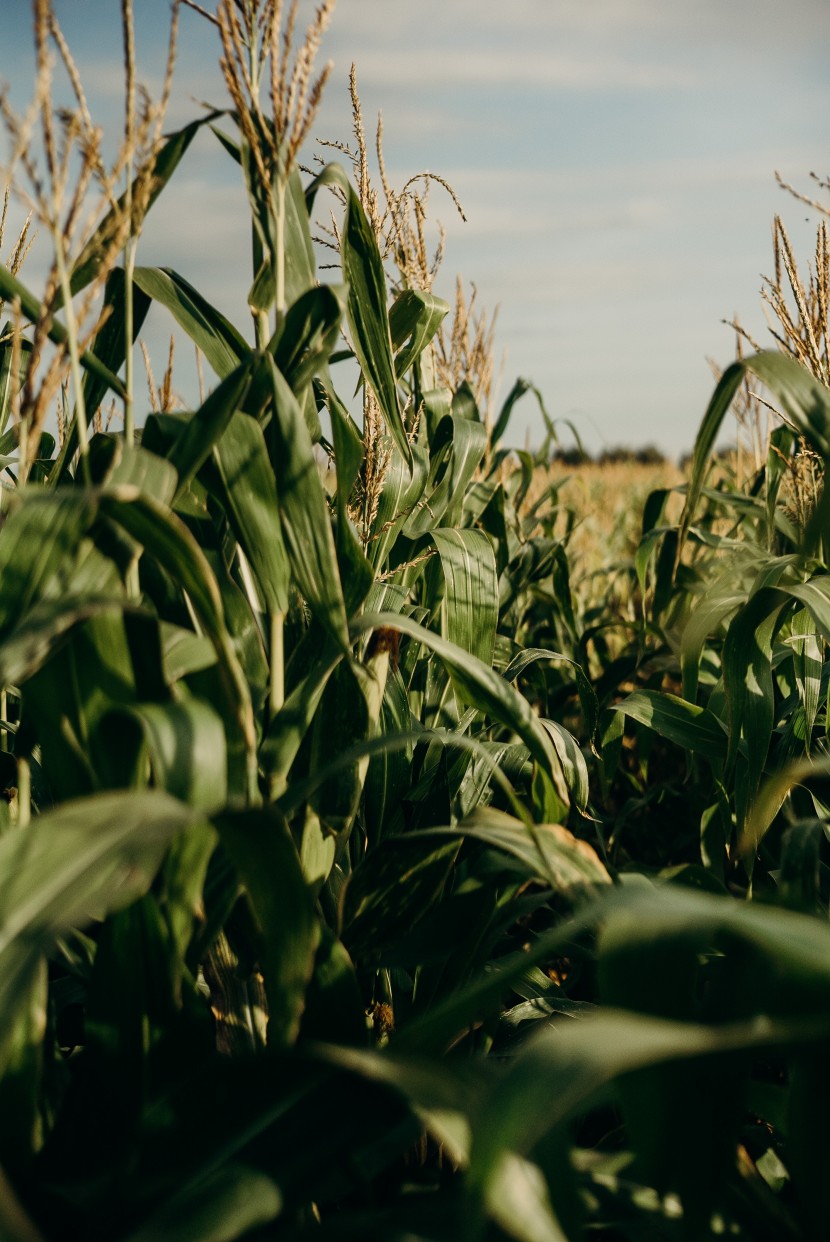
{"x": 217, "y": 338}
{"x": 402, "y": 490}
{"x": 389, "y": 773}
{"x": 356, "y": 571}
{"x": 201, "y": 432}
{"x": 41, "y": 536}
{"x": 186, "y": 746}
{"x": 771, "y": 796}
{"x": 815, "y": 595}
{"x": 159, "y": 169}
{"x": 250, "y": 497}
{"x": 470, "y": 609}
{"x": 169, "y": 541}
{"x": 27, "y": 647}
{"x": 368, "y": 318}
{"x": 393, "y": 888}
{"x": 11, "y": 289}
{"x": 549, "y": 851}
{"x": 184, "y": 652}
{"x": 748, "y": 682}
{"x": 264, "y": 853}
{"x": 481, "y": 687}
{"x": 414, "y": 319}
{"x": 802, "y": 398}
{"x": 708, "y": 615}
{"x": 572, "y": 762}
{"x": 136, "y": 467}
{"x": 305, "y": 517}
{"x": 807, "y": 661}
{"x": 71, "y": 865}
{"x": 587, "y": 694}
{"x": 457, "y": 450}
{"x": 308, "y": 333}
{"x": 687, "y": 725}
{"x": 218, "y": 1208}
{"x": 9, "y": 383}
{"x": 290, "y": 725}
{"x": 111, "y": 342}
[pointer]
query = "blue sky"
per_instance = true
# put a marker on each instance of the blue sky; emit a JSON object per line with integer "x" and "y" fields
{"x": 615, "y": 160}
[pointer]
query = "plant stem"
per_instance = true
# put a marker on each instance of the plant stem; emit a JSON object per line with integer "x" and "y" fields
{"x": 129, "y": 382}
{"x": 276, "y": 690}
{"x": 74, "y": 355}
{"x": 279, "y": 257}
{"x": 24, "y": 792}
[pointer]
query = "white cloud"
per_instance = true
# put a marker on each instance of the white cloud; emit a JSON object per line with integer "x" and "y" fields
{"x": 496, "y": 67}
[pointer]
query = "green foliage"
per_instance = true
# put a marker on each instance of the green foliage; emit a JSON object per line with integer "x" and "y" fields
{"x": 360, "y": 873}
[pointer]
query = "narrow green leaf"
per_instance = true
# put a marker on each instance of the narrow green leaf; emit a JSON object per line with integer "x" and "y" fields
{"x": 156, "y": 173}
{"x": 250, "y": 496}
{"x": 480, "y": 686}
{"x": 305, "y": 516}
{"x": 692, "y": 727}
{"x": 222, "y": 1207}
{"x": 74, "y": 864}
{"x": 261, "y": 847}
{"x": 368, "y": 318}
{"x": 217, "y": 338}
{"x": 11, "y": 289}
{"x": 414, "y": 319}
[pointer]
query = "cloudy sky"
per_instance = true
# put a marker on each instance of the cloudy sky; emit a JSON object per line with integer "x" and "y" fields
{"x": 615, "y": 160}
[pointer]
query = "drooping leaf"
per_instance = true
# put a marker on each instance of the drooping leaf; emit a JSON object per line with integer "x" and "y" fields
{"x": 220, "y": 342}
{"x": 73, "y": 864}
{"x": 481, "y": 687}
{"x": 692, "y": 727}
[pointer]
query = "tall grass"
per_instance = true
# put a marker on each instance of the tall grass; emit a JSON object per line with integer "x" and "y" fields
{"x": 370, "y": 864}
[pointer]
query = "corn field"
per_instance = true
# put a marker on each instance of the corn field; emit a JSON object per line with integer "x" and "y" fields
{"x": 371, "y": 863}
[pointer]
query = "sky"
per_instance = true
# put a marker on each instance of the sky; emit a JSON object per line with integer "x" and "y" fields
{"x": 615, "y": 160}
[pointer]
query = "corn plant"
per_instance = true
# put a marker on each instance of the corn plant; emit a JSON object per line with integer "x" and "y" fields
{"x": 355, "y": 875}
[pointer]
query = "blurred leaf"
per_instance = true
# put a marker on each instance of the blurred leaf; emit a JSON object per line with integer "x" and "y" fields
{"x": 159, "y": 168}
{"x": 223, "y": 1206}
{"x": 187, "y": 750}
{"x": 71, "y": 865}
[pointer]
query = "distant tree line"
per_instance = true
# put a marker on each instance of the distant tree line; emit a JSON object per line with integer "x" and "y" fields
{"x": 647, "y": 455}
